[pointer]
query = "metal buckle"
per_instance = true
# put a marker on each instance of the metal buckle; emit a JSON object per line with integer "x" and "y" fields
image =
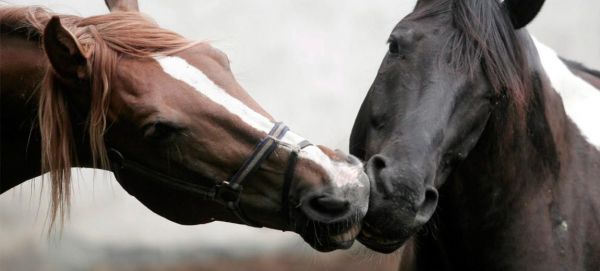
{"x": 228, "y": 193}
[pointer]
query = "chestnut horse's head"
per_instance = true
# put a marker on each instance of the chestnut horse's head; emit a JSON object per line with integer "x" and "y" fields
{"x": 181, "y": 127}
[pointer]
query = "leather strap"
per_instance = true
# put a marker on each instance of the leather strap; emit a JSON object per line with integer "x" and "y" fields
{"x": 228, "y": 192}
{"x": 287, "y": 181}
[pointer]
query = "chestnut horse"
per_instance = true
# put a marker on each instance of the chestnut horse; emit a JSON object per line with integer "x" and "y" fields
{"x": 165, "y": 114}
{"x": 483, "y": 146}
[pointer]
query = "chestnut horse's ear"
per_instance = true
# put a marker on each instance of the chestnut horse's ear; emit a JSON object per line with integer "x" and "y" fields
{"x": 122, "y": 5}
{"x": 64, "y": 51}
{"x": 522, "y": 12}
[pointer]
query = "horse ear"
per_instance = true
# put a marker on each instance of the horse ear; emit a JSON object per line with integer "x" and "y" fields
{"x": 64, "y": 51}
{"x": 122, "y": 5}
{"x": 522, "y": 12}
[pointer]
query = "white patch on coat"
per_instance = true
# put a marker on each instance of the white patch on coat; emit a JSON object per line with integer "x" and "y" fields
{"x": 581, "y": 100}
{"x": 341, "y": 174}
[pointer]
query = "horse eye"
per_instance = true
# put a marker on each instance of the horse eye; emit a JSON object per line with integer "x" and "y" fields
{"x": 377, "y": 122}
{"x": 160, "y": 132}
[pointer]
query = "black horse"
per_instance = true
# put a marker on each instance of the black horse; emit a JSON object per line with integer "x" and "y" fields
{"x": 483, "y": 153}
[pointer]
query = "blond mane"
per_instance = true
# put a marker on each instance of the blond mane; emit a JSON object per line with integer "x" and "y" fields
{"x": 105, "y": 39}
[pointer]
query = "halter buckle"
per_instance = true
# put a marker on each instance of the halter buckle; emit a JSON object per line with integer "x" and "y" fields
{"x": 228, "y": 193}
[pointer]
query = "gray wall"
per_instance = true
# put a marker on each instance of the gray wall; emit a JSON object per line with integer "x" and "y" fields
{"x": 307, "y": 62}
{"x": 572, "y": 28}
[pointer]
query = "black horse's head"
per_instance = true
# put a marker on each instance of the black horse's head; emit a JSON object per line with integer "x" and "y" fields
{"x": 450, "y": 64}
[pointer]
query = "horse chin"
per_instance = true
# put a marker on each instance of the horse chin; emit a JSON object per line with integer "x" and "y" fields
{"x": 386, "y": 231}
{"x": 327, "y": 235}
{"x": 327, "y": 243}
{"x": 375, "y": 240}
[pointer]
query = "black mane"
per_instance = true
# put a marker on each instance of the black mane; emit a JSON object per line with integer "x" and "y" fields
{"x": 486, "y": 36}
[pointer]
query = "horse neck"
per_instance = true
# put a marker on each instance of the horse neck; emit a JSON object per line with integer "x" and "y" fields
{"x": 510, "y": 197}
{"x": 22, "y": 69}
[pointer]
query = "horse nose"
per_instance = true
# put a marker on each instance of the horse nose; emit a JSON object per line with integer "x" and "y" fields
{"x": 351, "y": 159}
{"x": 325, "y": 207}
{"x": 377, "y": 168}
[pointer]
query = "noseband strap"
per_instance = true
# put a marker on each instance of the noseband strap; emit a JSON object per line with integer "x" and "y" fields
{"x": 287, "y": 181}
{"x": 227, "y": 192}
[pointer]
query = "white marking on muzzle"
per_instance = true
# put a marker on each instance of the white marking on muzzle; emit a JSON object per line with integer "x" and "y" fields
{"x": 581, "y": 100}
{"x": 342, "y": 174}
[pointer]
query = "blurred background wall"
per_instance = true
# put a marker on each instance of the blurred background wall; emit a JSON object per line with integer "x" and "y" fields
{"x": 309, "y": 63}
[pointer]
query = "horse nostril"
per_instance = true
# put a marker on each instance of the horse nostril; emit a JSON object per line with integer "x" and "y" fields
{"x": 428, "y": 206}
{"x": 375, "y": 169}
{"x": 378, "y": 162}
{"x": 327, "y": 205}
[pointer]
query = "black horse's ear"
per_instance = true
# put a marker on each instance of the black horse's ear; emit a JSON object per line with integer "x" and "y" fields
{"x": 122, "y": 5}
{"x": 522, "y": 12}
{"x": 64, "y": 51}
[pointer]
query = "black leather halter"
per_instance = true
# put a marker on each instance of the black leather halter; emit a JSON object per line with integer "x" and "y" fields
{"x": 227, "y": 192}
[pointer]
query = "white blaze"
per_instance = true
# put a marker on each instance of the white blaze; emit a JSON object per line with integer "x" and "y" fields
{"x": 341, "y": 174}
{"x": 581, "y": 100}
